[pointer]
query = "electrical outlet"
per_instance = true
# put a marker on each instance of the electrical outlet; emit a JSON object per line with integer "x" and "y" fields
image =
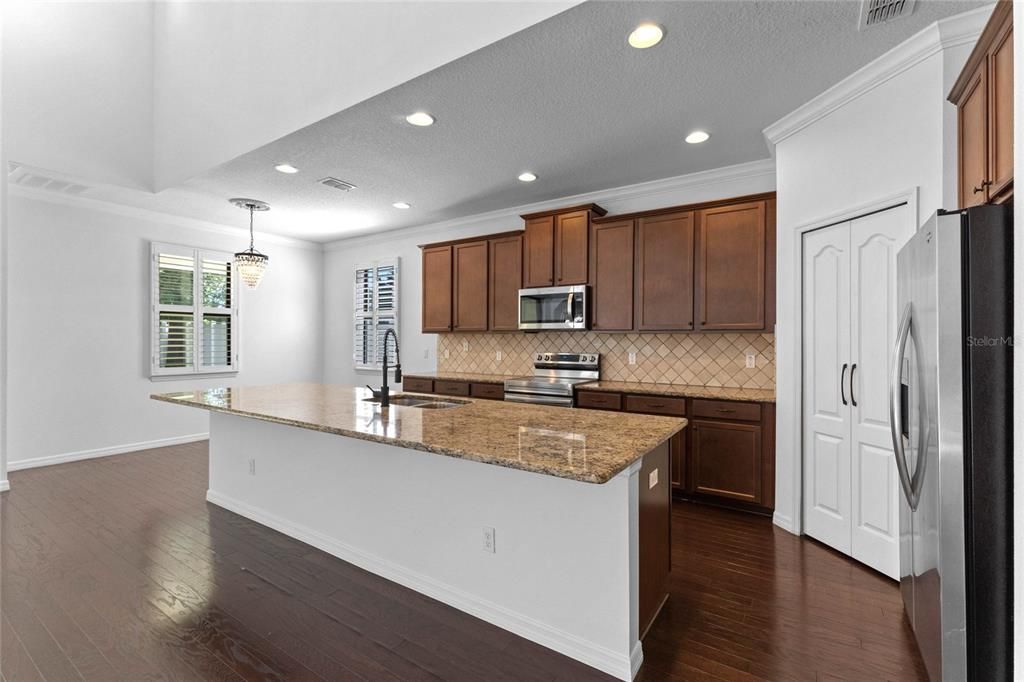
{"x": 488, "y": 539}
{"x": 632, "y": 358}
{"x": 497, "y": 356}
{"x": 751, "y": 361}
{"x": 252, "y": 466}
{"x": 446, "y": 353}
{"x": 465, "y": 345}
{"x": 652, "y": 480}
{"x": 426, "y": 353}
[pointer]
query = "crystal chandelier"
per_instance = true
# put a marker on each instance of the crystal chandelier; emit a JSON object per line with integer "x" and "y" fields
{"x": 251, "y": 263}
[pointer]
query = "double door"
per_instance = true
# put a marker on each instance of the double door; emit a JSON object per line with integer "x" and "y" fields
{"x": 850, "y": 489}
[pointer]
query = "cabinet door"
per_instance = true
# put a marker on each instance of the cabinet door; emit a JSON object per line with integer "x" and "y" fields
{"x": 972, "y": 122}
{"x": 437, "y": 289}
{"x": 470, "y": 287}
{"x": 611, "y": 276}
{"x": 730, "y": 267}
{"x": 664, "y": 263}
{"x": 506, "y": 277}
{"x": 1000, "y": 111}
{"x": 725, "y": 460}
{"x": 539, "y": 252}
{"x": 572, "y": 232}
{"x": 677, "y": 445}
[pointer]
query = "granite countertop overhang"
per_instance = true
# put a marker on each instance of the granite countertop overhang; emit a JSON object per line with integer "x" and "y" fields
{"x": 590, "y": 446}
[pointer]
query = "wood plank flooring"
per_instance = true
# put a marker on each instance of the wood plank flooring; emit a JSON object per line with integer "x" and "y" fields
{"x": 118, "y": 569}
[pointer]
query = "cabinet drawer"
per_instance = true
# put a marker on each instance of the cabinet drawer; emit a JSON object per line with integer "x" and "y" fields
{"x": 599, "y": 401}
{"x": 727, "y": 409}
{"x": 489, "y": 391}
{"x": 417, "y": 385}
{"x": 654, "y": 405}
{"x": 451, "y": 387}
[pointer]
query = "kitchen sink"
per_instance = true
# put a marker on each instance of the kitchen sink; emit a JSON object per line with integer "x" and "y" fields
{"x": 421, "y": 401}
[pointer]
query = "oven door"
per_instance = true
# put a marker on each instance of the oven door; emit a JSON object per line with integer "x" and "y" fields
{"x": 553, "y": 308}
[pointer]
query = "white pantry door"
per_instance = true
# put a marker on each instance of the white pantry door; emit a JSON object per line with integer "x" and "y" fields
{"x": 851, "y": 491}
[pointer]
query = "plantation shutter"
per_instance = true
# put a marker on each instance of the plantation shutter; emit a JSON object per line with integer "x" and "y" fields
{"x": 194, "y": 311}
{"x": 375, "y": 308}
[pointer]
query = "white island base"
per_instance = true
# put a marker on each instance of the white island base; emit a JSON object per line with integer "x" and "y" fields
{"x": 564, "y": 571}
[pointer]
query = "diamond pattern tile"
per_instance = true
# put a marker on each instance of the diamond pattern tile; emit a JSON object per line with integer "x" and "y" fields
{"x": 694, "y": 359}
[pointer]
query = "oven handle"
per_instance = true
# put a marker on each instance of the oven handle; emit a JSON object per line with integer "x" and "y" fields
{"x": 538, "y": 399}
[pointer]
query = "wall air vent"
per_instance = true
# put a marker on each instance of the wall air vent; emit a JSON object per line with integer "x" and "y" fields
{"x": 877, "y": 12}
{"x": 35, "y": 178}
{"x": 337, "y": 184}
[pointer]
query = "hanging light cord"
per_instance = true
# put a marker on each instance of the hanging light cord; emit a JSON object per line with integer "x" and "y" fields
{"x": 252, "y": 241}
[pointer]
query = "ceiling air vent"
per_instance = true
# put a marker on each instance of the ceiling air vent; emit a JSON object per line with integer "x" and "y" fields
{"x": 26, "y": 176}
{"x": 337, "y": 184}
{"x": 876, "y": 12}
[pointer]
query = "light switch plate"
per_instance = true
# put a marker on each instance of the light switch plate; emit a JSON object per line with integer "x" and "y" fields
{"x": 632, "y": 358}
{"x": 652, "y": 480}
{"x": 465, "y": 345}
{"x": 751, "y": 361}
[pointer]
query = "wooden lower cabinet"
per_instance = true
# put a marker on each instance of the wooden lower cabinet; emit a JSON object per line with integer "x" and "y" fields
{"x": 489, "y": 391}
{"x": 725, "y": 460}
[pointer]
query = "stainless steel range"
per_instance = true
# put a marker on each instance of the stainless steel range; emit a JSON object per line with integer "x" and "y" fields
{"x": 554, "y": 376}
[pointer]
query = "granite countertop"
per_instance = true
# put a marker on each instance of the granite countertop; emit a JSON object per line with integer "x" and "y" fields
{"x": 463, "y": 376}
{"x": 758, "y": 395}
{"x": 582, "y": 445}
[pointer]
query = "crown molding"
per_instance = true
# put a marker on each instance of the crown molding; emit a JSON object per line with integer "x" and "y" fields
{"x": 941, "y": 35}
{"x": 715, "y": 176}
{"x": 138, "y": 213}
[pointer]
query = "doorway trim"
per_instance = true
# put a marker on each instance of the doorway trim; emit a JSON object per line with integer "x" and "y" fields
{"x": 789, "y": 462}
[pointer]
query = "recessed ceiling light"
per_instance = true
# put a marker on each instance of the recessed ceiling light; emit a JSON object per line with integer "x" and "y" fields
{"x": 401, "y": 204}
{"x": 286, "y": 168}
{"x": 646, "y": 35}
{"x": 697, "y": 136}
{"x": 420, "y": 118}
{"x": 527, "y": 177}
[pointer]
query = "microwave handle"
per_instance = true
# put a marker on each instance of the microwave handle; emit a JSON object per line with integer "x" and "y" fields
{"x": 568, "y": 308}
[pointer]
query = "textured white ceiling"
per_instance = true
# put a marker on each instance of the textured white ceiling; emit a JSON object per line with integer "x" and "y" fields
{"x": 567, "y": 99}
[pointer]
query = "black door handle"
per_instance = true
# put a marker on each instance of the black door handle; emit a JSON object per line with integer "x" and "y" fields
{"x": 853, "y": 400}
{"x": 842, "y": 384}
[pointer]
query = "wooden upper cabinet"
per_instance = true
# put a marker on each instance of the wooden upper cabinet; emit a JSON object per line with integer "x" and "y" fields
{"x": 664, "y": 272}
{"x": 611, "y": 275}
{"x": 983, "y": 95}
{"x": 437, "y": 289}
{"x": 972, "y": 124}
{"x": 1000, "y": 112}
{"x": 506, "y": 276}
{"x": 730, "y": 267}
{"x": 538, "y": 252}
{"x": 572, "y": 234}
{"x": 469, "y": 287}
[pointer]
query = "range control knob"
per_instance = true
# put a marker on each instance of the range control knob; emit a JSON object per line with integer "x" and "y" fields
{"x": 540, "y": 357}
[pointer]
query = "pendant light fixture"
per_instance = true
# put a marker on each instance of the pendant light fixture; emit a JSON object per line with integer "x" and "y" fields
{"x": 251, "y": 263}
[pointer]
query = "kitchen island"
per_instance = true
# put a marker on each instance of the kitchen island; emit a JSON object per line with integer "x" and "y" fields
{"x": 551, "y": 523}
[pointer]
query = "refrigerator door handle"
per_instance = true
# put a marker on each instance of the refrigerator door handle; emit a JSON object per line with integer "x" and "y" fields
{"x": 842, "y": 383}
{"x": 895, "y": 413}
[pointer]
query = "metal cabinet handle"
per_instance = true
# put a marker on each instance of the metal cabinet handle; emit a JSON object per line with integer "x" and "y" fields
{"x": 984, "y": 184}
{"x": 853, "y": 401}
{"x": 842, "y": 384}
{"x": 724, "y": 410}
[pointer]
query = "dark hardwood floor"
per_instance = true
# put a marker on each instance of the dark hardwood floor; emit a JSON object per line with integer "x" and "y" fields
{"x": 118, "y": 569}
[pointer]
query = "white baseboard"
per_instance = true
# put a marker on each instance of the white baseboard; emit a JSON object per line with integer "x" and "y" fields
{"x": 785, "y": 523}
{"x": 4, "y": 485}
{"x": 619, "y": 665}
{"x": 18, "y": 465}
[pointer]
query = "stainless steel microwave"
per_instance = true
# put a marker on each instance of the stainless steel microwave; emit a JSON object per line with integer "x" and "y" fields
{"x": 553, "y": 308}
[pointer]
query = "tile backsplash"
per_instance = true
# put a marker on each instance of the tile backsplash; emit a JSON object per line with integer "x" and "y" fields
{"x": 711, "y": 359}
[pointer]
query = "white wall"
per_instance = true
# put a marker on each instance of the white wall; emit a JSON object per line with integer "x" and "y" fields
{"x": 78, "y": 89}
{"x": 79, "y": 321}
{"x": 419, "y": 351}
{"x": 895, "y": 132}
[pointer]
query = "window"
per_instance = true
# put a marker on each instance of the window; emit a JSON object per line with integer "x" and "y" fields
{"x": 376, "y": 310}
{"x": 195, "y": 312}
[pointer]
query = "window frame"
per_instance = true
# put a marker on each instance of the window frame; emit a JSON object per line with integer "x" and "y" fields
{"x": 373, "y": 315}
{"x": 197, "y": 310}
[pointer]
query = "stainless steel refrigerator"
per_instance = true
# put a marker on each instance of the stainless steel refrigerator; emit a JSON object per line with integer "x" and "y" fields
{"x": 950, "y": 413}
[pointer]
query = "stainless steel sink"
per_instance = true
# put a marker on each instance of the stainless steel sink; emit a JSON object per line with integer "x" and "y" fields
{"x": 421, "y": 401}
